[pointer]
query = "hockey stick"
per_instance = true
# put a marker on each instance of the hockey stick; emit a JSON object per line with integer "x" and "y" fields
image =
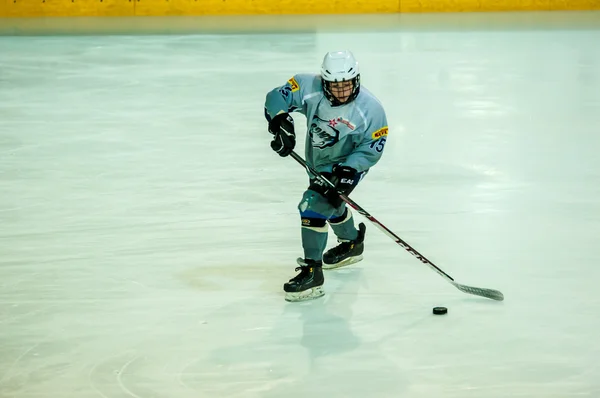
{"x": 488, "y": 293}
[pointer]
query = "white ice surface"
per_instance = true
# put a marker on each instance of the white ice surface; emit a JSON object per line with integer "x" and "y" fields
{"x": 146, "y": 228}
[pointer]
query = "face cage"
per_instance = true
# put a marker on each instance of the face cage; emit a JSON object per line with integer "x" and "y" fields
{"x": 333, "y": 100}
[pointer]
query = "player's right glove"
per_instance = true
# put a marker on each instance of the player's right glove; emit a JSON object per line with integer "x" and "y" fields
{"x": 284, "y": 140}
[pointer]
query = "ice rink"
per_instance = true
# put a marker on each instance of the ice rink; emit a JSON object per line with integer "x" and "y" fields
{"x": 146, "y": 227}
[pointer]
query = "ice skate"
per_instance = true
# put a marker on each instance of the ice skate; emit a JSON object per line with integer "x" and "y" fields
{"x": 308, "y": 284}
{"x": 347, "y": 252}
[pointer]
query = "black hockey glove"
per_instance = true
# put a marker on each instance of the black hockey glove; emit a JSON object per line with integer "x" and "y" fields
{"x": 284, "y": 140}
{"x": 344, "y": 179}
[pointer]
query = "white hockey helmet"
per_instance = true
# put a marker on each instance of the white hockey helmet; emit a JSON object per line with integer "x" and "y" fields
{"x": 340, "y": 66}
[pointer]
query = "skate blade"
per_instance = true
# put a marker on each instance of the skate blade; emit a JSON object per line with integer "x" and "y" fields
{"x": 306, "y": 295}
{"x": 348, "y": 261}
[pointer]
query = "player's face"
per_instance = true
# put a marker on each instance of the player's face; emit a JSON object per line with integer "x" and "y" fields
{"x": 341, "y": 90}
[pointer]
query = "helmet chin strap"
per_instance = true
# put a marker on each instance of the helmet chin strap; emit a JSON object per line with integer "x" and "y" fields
{"x": 332, "y": 98}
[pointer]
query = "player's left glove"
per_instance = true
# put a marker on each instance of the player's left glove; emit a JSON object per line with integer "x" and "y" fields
{"x": 344, "y": 179}
{"x": 282, "y": 127}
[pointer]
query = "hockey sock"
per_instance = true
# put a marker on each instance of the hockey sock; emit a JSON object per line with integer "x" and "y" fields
{"x": 344, "y": 226}
{"x": 314, "y": 241}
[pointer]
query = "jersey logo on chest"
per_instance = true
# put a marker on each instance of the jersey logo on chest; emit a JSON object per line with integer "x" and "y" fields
{"x": 335, "y": 121}
{"x": 326, "y": 133}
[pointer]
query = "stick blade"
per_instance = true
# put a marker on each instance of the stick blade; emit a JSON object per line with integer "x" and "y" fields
{"x": 478, "y": 291}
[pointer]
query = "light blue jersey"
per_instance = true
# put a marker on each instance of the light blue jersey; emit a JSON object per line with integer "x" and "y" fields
{"x": 352, "y": 134}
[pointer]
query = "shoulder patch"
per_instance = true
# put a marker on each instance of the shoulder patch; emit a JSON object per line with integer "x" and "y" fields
{"x": 382, "y": 132}
{"x": 294, "y": 84}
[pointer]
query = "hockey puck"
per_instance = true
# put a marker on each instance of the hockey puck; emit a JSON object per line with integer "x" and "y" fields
{"x": 440, "y": 310}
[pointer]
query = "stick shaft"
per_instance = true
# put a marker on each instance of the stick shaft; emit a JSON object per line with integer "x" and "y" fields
{"x": 489, "y": 293}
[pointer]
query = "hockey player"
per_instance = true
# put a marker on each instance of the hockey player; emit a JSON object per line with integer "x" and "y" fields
{"x": 346, "y": 135}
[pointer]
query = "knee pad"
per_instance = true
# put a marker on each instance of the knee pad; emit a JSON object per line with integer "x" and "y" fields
{"x": 343, "y": 218}
{"x": 316, "y": 224}
{"x": 315, "y": 210}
